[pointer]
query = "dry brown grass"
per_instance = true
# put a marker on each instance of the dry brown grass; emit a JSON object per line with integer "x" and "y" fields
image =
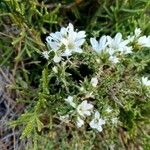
{"x": 9, "y": 110}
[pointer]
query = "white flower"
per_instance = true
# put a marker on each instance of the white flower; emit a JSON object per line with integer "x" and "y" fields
{"x": 144, "y": 41}
{"x": 66, "y": 41}
{"x": 132, "y": 38}
{"x": 85, "y": 109}
{"x": 69, "y": 100}
{"x": 137, "y": 32}
{"x": 79, "y": 122}
{"x": 45, "y": 54}
{"x": 114, "y": 59}
{"x": 114, "y": 120}
{"x": 94, "y": 81}
{"x": 100, "y": 45}
{"x": 117, "y": 43}
{"x": 65, "y": 118}
{"x": 57, "y": 59}
{"x": 97, "y": 122}
{"x": 73, "y": 40}
{"x": 145, "y": 81}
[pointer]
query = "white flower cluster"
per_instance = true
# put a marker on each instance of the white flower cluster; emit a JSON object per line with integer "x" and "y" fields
{"x": 112, "y": 46}
{"x": 67, "y": 41}
{"x": 86, "y": 109}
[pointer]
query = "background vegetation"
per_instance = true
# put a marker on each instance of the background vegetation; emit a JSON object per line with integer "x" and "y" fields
{"x": 24, "y": 25}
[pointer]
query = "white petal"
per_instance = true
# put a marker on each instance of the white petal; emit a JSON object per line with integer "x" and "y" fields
{"x": 54, "y": 45}
{"x": 93, "y": 124}
{"x": 87, "y": 105}
{"x": 128, "y": 50}
{"x": 70, "y": 27}
{"x": 109, "y": 39}
{"x": 78, "y": 50}
{"x": 130, "y": 39}
{"x": 99, "y": 128}
{"x": 87, "y": 113}
{"x": 118, "y": 37}
{"x": 85, "y": 109}
{"x": 114, "y": 59}
{"x": 80, "y": 42}
{"x": 94, "y": 43}
{"x": 57, "y": 59}
{"x": 67, "y": 53}
{"x": 48, "y": 39}
{"x": 102, "y": 41}
{"x": 81, "y": 34}
{"x": 63, "y": 31}
{"x": 55, "y": 36}
{"x": 65, "y": 41}
{"x": 110, "y": 51}
{"x": 72, "y": 36}
{"x": 97, "y": 114}
{"x": 101, "y": 122}
{"x": 80, "y": 122}
{"x": 144, "y": 41}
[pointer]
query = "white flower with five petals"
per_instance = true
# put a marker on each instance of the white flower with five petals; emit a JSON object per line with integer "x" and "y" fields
{"x": 118, "y": 44}
{"x": 65, "y": 42}
{"x": 85, "y": 109}
{"x": 97, "y": 122}
{"x": 73, "y": 40}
